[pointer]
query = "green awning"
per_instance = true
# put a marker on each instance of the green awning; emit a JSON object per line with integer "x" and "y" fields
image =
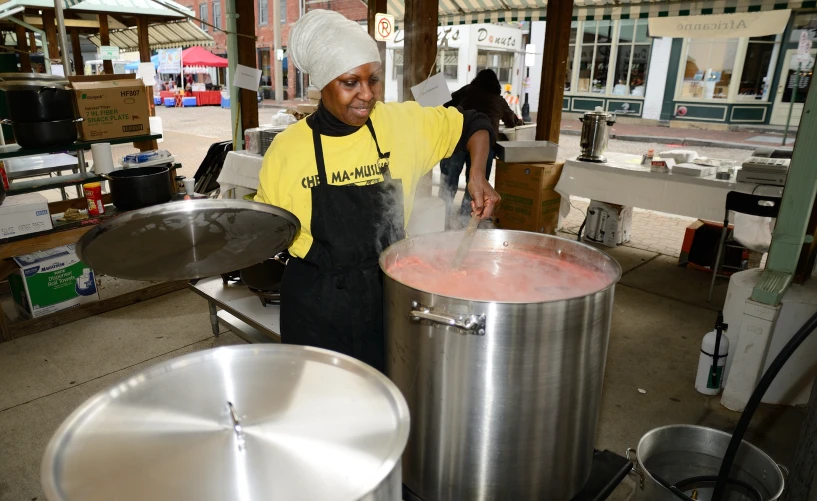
{"x": 497, "y": 11}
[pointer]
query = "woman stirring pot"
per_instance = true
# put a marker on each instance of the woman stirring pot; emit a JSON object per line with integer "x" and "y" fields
{"x": 349, "y": 173}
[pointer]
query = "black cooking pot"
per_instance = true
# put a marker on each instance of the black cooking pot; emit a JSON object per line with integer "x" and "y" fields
{"x": 44, "y": 134}
{"x": 267, "y": 275}
{"x": 140, "y": 187}
{"x": 38, "y": 101}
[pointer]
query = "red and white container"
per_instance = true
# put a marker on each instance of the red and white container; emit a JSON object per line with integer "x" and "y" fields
{"x": 93, "y": 194}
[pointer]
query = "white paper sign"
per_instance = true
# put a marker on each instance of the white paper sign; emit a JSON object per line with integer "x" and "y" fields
{"x": 432, "y": 92}
{"x": 147, "y": 72}
{"x": 804, "y": 48}
{"x": 247, "y": 78}
{"x": 108, "y": 52}
{"x": 384, "y": 27}
{"x": 57, "y": 69}
{"x": 530, "y": 55}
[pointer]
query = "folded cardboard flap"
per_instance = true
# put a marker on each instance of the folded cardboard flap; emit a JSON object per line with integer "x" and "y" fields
{"x": 101, "y": 78}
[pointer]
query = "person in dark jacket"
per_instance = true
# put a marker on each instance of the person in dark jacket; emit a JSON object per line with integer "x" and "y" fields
{"x": 483, "y": 95}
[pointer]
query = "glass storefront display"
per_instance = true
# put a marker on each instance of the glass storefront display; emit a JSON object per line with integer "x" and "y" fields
{"x": 448, "y": 62}
{"x": 264, "y": 65}
{"x": 758, "y": 68}
{"x": 500, "y": 62}
{"x": 707, "y": 72}
{"x": 608, "y": 58}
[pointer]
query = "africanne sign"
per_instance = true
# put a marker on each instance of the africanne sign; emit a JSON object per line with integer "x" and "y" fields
{"x": 748, "y": 24}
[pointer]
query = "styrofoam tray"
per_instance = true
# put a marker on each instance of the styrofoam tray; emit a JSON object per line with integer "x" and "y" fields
{"x": 527, "y": 151}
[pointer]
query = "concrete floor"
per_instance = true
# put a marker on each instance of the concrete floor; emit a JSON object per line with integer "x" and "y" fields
{"x": 660, "y": 316}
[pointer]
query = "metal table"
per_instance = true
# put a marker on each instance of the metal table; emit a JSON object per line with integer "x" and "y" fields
{"x": 38, "y": 165}
{"x": 240, "y": 310}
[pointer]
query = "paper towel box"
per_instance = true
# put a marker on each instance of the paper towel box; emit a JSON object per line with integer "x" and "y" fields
{"x": 50, "y": 281}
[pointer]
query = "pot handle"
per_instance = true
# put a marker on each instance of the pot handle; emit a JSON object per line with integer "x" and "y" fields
{"x": 474, "y": 324}
{"x": 78, "y": 120}
{"x": 6, "y": 121}
{"x": 636, "y": 470}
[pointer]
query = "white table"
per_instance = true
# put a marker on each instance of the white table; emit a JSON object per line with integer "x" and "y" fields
{"x": 623, "y": 181}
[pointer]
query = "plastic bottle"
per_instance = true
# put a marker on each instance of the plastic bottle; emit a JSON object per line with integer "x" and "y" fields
{"x": 709, "y": 381}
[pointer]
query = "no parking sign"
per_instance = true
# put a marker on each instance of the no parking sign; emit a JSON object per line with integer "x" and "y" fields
{"x": 384, "y": 27}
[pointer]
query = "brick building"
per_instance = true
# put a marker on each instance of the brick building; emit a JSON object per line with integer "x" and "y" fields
{"x": 213, "y": 11}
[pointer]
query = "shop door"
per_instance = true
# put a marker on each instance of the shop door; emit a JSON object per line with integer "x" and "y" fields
{"x": 782, "y": 100}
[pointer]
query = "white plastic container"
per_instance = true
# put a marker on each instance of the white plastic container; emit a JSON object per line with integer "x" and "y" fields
{"x": 703, "y": 382}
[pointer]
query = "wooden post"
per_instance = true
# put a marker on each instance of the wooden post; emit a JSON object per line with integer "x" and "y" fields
{"x": 245, "y": 25}
{"x": 554, "y": 69}
{"x": 50, "y": 27}
{"x": 144, "y": 57}
{"x": 32, "y": 42}
{"x": 22, "y": 45}
{"x": 105, "y": 39}
{"x": 378, "y": 7}
{"x": 76, "y": 51}
{"x": 420, "y": 45}
{"x": 419, "y": 56}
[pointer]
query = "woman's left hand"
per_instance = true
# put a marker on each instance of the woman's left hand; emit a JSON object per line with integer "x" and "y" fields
{"x": 484, "y": 197}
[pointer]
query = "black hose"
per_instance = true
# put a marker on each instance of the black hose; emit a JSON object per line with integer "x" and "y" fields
{"x": 581, "y": 228}
{"x": 754, "y": 402}
{"x": 685, "y": 484}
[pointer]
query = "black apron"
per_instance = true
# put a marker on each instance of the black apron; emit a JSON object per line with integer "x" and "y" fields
{"x": 333, "y": 297}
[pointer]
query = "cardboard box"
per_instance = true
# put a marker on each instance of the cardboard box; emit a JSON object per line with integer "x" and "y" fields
{"x": 700, "y": 248}
{"x": 50, "y": 281}
{"x": 307, "y": 109}
{"x": 608, "y": 224}
{"x": 111, "y": 108}
{"x": 529, "y": 202}
{"x": 24, "y": 214}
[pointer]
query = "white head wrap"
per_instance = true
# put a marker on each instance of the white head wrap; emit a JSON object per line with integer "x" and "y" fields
{"x": 326, "y": 45}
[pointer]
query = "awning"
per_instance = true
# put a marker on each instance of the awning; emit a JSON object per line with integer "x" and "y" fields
{"x": 497, "y": 11}
{"x": 744, "y": 24}
{"x": 197, "y": 56}
{"x": 162, "y": 36}
{"x": 125, "y": 7}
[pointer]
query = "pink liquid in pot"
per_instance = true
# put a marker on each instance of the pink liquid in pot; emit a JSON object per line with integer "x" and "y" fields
{"x": 499, "y": 276}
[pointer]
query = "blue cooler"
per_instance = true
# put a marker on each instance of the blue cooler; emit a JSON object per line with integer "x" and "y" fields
{"x": 189, "y": 101}
{"x": 157, "y": 101}
{"x": 170, "y": 102}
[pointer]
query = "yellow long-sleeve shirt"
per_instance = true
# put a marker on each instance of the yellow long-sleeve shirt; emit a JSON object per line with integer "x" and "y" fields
{"x": 417, "y": 138}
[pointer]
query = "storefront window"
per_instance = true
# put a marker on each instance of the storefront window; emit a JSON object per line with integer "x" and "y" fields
{"x": 594, "y": 62}
{"x": 398, "y": 65}
{"x": 500, "y": 62}
{"x": 804, "y": 21}
{"x": 448, "y": 62}
{"x": 264, "y": 65}
{"x": 758, "y": 68}
{"x": 708, "y": 70}
{"x": 632, "y": 58}
{"x": 570, "y": 55}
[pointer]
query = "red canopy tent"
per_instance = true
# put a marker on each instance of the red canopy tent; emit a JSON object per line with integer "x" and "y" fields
{"x": 199, "y": 56}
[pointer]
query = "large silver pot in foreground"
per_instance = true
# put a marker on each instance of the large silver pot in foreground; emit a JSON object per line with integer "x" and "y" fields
{"x": 239, "y": 423}
{"x": 504, "y": 397}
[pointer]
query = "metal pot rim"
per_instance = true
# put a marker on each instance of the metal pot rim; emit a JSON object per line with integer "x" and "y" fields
{"x": 51, "y": 488}
{"x": 605, "y": 256}
{"x": 162, "y": 172}
{"x": 743, "y": 443}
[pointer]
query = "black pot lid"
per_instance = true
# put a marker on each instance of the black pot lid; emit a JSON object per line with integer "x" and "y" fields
{"x": 187, "y": 239}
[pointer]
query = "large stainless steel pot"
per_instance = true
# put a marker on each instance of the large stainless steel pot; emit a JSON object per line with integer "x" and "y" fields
{"x": 504, "y": 397}
{"x": 679, "y": 452}
{"x": 239, "y": 423}
{"x": 595, "y": 134}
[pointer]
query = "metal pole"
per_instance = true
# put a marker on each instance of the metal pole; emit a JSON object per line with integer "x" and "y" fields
{"x": 63, "y": 39}
{"x": 279, "y": 67}
{"x": 301, "y": 12}
{"x": 793, "y": 99}
{"x": 232, "y": 57}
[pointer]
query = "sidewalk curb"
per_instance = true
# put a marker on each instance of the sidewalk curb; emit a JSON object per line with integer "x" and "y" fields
{"x": 688, "y": 141}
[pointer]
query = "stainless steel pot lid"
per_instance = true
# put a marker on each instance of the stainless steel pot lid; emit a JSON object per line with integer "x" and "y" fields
{"x": 187, "y": 239}
{"x": 312, "y": 425}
